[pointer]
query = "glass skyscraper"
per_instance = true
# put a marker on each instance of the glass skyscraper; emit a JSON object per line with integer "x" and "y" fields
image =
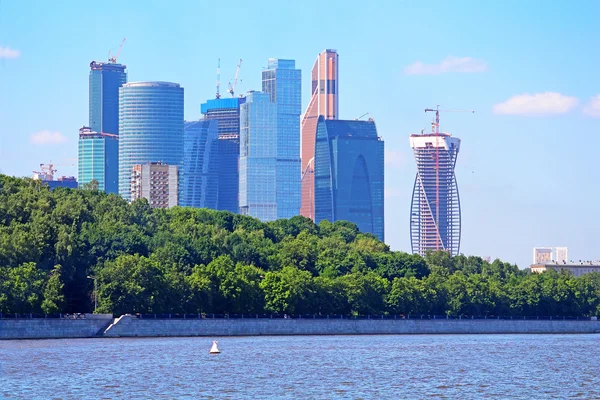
{"x": 323, "y": 101}
{"x": 349, "y": 174}
{"x": 282, "y": 81}
{"x": 105, "y": 81}
{"x": 258, "y": 157}
{"x": 98, "y": 159}
{"x": 98, "y": 144}
{"x": 150, "y": 127}
{"x": 227, "y": 113}
{"x": 200, "y": 164}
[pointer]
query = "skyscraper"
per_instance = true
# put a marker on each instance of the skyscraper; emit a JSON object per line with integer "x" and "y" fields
{"x": 349, "y": 174}
{"x": 150, "y": 127}
{"x": 98, "y": 159}
{"x": 200, "y": 164}
{"x": 282, "y": 81}
{"x": 323, "y": 101}
{"x": 105, "y": 80}
{"x": 227, "y": 113}
{"x": 98, "y": 143}
{"x": 258, "y": 157}
{"x": 435, "y": 208}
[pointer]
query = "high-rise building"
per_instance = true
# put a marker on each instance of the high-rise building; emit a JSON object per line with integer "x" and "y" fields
{"x": 323, "y": 101}
{"x": 543, "y": 255}
{"x": 435, "y": 207}
{"x": 105, "y": 80}
{"x": 349, "y": 174}
{"x": 227, "y": 113}
{"x": 282, "y": 81}
{"x": 258, "y": 157}
{"x": 200, "y": 164}
{"x": 150, "y": 127}
{"x": 98, "y": 160}
{"x": 157, "y": 182}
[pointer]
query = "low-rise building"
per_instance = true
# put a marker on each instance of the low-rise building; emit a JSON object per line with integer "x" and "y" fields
{"x": 157, "y": 182}
{"x": 578, "y": 268}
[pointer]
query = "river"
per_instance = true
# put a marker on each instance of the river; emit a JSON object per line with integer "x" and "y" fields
{"x": 304, "y": 367}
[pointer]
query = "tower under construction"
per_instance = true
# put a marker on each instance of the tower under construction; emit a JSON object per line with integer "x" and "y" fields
{"x": 435, "y": 209}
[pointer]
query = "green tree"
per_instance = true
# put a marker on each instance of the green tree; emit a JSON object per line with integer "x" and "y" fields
{"x": 54, "y": 298}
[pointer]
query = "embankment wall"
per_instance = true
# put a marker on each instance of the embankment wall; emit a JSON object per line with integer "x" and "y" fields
{"x": 127, "y": 326}
{"x": 55, "y": 328}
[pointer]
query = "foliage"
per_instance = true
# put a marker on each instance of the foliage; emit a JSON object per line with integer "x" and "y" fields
{"x": 185, "y": 260}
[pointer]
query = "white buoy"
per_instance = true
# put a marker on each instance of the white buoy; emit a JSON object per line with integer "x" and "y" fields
{"x": 214, "y": 349}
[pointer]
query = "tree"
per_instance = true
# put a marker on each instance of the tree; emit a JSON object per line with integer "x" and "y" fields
{"x": 289, "y": 291}
{"x": 53, "y": 293}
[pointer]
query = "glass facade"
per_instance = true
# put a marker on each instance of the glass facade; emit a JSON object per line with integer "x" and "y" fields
{"x": 258, "y": 157}
{"x": 227, "y": 113}
{"x": 349, "y": 174}
{"x": 105, "y": 81}
{"x": 98, "y": 156}
{"x": 282, "y": 81}
{"x": 323, "y": 101}
{"x": 150, "y": 127}
{"x": 201, "y": 164}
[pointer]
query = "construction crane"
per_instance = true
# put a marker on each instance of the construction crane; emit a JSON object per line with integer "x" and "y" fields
{"x": 237, "y": 73}
{"x": 435, "y": 129}
{"x": 356, "y": 119}
{"x": 218, "y": 95}
{"x": 47, "y": 171}
{"x": 113, "y": 59}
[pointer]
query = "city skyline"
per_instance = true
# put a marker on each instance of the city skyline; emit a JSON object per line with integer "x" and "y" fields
{"x": 514, "y": 200}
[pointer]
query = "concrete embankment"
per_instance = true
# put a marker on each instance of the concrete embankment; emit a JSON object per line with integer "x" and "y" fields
{"x": 89, "y": 325}
{"x": 128, "y": 326}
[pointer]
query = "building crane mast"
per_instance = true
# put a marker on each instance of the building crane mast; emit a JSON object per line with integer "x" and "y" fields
{"x": 113, "y": 59}
{"x": 237, "y": 73}
{"x": 435, "y": 129}
{"x": 218, "y": 95}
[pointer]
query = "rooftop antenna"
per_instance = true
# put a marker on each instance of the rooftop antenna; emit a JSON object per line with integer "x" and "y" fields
{"x": 218, "y": 78}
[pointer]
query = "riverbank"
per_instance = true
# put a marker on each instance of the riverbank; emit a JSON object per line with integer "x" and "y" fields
{"x": 131, "y": 326}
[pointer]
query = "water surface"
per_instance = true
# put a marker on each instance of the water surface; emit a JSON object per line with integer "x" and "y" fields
{"x": 304, "y": 367}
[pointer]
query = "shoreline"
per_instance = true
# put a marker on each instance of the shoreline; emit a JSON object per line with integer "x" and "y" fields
{"x": 104, "y": 326}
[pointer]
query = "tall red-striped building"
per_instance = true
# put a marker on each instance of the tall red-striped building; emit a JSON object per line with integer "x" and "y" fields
{"x": 323, "y": 101}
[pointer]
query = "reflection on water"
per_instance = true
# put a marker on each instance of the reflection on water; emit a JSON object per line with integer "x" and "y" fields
{"x": 307, "y": 367}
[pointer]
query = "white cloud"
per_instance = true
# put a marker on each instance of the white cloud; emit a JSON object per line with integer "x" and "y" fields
{"x": 537, "y": 104}
{"x": 449, "y": 64}
{"x": 592, "y": 108}
{"x": 47, "y": 137}
{"x": 7, "y": 52}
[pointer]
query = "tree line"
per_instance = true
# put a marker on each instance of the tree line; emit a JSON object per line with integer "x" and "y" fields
{"x": 55, "y": 244}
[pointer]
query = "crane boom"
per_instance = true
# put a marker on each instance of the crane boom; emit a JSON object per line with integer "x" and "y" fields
{"x": 235, "y": 79}
{"x": 437, "y": 116}
{"x": 113, "y": 59}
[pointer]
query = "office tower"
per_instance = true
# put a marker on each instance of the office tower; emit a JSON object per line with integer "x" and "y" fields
{"x": 227, "y": 113}
{"x": 282, "y": 81}
{"x": 435, "y": 207}
{"x": 200, "y": 164}
{"x": 258, "y": 157}
{"x": 349, "y": 174}
{"x": 323, "y": 101}
{"x": 150, "y": 127}
{"x": 98, "y": 159}
{"x": 105, "y": 80}
{"x": 157, "y": 182}
{"x": 543, "y": 255}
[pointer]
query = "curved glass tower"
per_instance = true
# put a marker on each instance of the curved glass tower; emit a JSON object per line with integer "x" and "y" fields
{"x": 349, "y": 174}
{"x": 201, "y": 164}
{"x": 150, "y": 127}
{"x": 435, "y": 208}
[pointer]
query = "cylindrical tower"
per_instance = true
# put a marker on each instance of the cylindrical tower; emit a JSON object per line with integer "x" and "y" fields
{"x": 150, "y": 127}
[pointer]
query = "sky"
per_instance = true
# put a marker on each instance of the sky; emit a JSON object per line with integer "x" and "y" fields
{"x": 526, "y": 171}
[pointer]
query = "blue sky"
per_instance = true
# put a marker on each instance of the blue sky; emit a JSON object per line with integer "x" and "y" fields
{"x": 527, "y": 170}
